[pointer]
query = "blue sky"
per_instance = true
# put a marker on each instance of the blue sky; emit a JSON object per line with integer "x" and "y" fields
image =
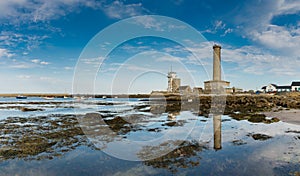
{"x": 41, "y": 42}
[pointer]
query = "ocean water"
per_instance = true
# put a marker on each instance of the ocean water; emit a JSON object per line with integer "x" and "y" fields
{"x": 126, "y": 137}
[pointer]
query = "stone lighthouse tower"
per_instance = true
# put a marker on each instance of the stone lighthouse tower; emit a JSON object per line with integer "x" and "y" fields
{"x": 216, "y": 86}
{"x": 217, "y": 63}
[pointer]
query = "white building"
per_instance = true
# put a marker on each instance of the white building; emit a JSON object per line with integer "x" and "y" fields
{"x": 295, "y": 86}
{"x": 283, "y": 88}
{"x": 271, "y": 88}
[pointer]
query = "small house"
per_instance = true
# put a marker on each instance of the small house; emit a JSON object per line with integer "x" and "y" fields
{"x": 197, "y": 90}
{"x": 295, "y": 86}
{"x": 185, "y": 90}
{"x": 283, "y": 88}
{"x": 270, "y": 88}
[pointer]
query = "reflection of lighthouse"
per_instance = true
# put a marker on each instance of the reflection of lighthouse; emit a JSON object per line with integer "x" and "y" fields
{"x": 173, "y": 82}
{"x": 217, "y": 132}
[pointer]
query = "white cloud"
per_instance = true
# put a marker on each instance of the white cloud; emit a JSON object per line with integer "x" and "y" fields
{"x": 9, "y": 8}
{"x": 227, "y": 31}
{"x": 219, "y": 24}
{"x": 92, "y": 61}
{"x": 20, "y": 65}
{"x": 37, "y": 61}
{"x": 258, "y": 61}
{"x": 22, "y": 41}
{"x": 135, "y": 68}
{"x": 158, "y": 24}
{"x": 149, "y": 22}
{"x": 49, "y": 79}
{"x": 48, "y": 10}
{"x": 168, "y": 58}
{"x": 36, "y": 14}
{"x": 30, "y": 10}
{"x": 24, "y": 76}
{"x": 68, "y": 68}
{"x": 119, "y": 10}
{"x": 288, "y": 7}
{"x": 5, "y": 53}
{"x": 44, "y": 63}
{"x": 20, "y": 11}
{"x": 283, "y": 39}
{"x": 45, "y": 78}
{"x": 134, "y": 49}
{"x": 248, "y": 59}
{"x": 279, "y": 38}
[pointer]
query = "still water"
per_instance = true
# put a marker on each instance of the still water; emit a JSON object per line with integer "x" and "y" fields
{"x": 126, "y": 137}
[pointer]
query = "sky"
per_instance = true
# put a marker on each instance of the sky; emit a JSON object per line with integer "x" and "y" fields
{"x": 44, "y": 44}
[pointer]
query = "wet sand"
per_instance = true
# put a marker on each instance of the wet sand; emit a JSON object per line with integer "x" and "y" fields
{"x": 289, "y": 116}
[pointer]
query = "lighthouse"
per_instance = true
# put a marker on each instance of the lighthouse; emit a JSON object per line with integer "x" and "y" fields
{"x": 173, "y": 82}
{"x": 216, "y": 85}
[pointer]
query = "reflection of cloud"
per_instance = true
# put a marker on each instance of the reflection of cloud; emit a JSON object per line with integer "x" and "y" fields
{"x": 284, "y": 146}
{"x": 139, "y": 170}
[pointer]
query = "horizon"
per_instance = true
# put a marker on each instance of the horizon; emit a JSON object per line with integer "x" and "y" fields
{"x": 41, "y": 43}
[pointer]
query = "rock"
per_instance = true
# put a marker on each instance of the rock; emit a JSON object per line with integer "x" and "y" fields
{"x": 239, "y": 142}
{"x": 260, "y": 137}
{"x": 256, "y": 118}
{"x": 24, "y": 109}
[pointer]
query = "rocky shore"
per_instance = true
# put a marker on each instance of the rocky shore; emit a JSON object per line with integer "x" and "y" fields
{"x": 285, "y": 107}
{"x": 255, "y": 108}
{"x": 39, "y": 137}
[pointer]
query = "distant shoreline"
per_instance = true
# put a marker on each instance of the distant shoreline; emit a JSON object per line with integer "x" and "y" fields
{"x": 62, "y": 95}
{"x": 171, "y": 96}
